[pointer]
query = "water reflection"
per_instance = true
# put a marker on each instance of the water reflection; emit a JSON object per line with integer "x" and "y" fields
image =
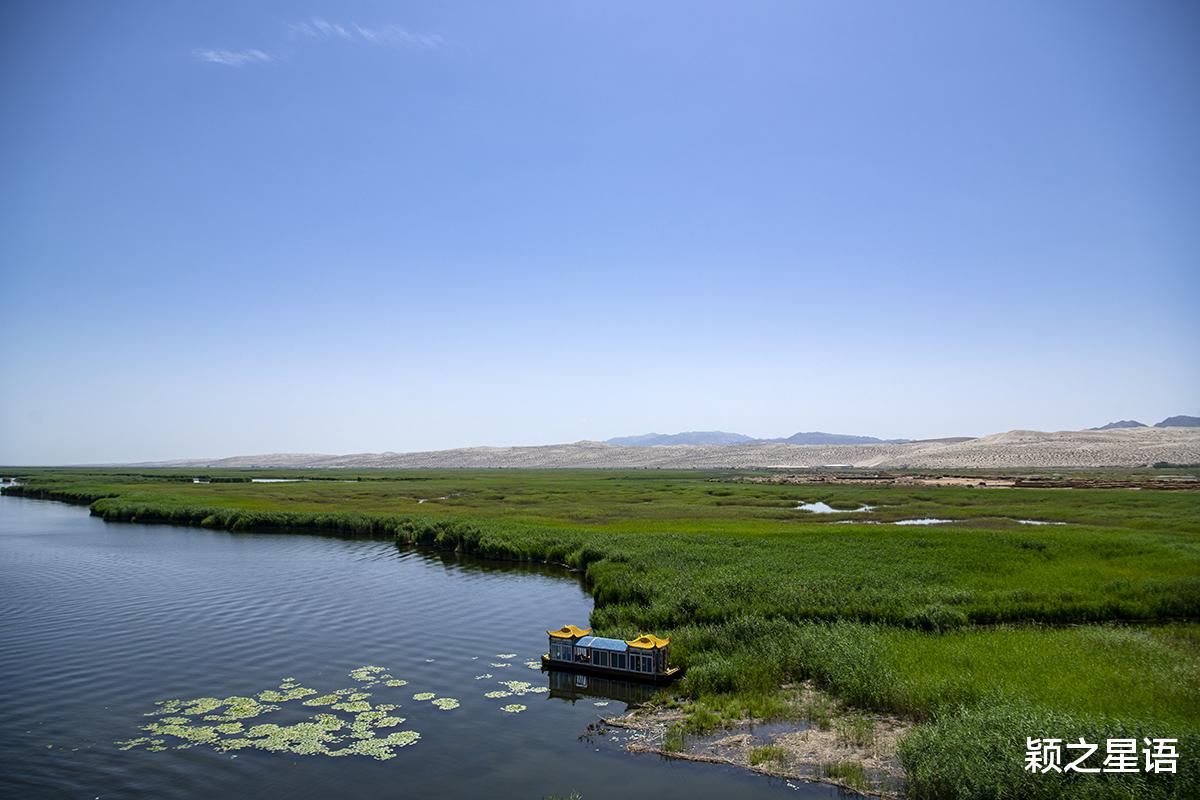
{"x": 575, "y": 686}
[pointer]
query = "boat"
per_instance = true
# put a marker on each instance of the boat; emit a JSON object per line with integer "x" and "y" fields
{"x": 642, "y": 659}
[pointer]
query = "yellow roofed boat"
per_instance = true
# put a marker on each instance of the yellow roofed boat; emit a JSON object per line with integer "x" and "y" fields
{"x": 644, "y": 658}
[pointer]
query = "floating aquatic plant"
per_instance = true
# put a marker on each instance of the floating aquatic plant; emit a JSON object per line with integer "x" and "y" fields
{"x": 523, "y": 687}
{"x": 497, "y": 694}
{"x": 368, "y": 673}
{"x": 365, "y": 724}
{"x": 446, "y": 703}
{"x": 362, "y": 726}
{"x": 516, "y": 686}
{"x": 395, "y": 682}
{"x": 303, "y": 738}
{"x": 141, "y": 741}
{"x": 238, "y": 707}
{"x": 192, "y": 734}
{"x": 424, "y": 695}
{"x": 201, "y": 705}
{"x": 292, "y": 693}
{"x": 380, "y": 748}
{"x": 401, "y": 738}
{"x": 494, "y": 664}
{"x": 513, "y": 708}
{"x": 483, "y": 676}
{"x": 225, "y": 745}
{"x": 353, "y": 706}
{"x": 177, "y": 722}
{"x": 330, "y": 722}
{"x": 166, "y": 707}
{"x": 533, "y": 664}
{"x": 506, "y": 655}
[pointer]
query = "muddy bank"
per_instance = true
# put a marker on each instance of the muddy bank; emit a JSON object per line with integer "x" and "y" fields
{"x": 825, "y": 742}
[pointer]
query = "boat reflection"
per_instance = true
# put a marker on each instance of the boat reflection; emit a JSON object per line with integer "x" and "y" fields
{"x": 572, "y": 686}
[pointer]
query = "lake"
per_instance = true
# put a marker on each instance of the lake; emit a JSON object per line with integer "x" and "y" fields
{"x": 100, "y": 621}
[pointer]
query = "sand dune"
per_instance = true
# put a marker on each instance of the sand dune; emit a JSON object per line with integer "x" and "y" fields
{"x": 1014, "y": 449}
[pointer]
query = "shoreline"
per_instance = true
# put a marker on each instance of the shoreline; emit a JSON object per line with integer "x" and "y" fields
{"x": 824, "y": 741}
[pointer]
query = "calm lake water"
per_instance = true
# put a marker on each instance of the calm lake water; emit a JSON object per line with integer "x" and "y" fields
{"x": 99, "y": 621}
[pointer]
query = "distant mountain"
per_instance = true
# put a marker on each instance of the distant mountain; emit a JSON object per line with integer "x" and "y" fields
{"x": 1181, "y": 421}
{"x": 687, "y": 437}
{"x": 817, "y": 437}
{"x": 1121, "y": 423}
{"x": 1012, "y": 450}
{"x": 726, "y": 438}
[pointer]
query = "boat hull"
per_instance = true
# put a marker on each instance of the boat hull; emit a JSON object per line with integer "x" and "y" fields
{"x": 658, "y": 678}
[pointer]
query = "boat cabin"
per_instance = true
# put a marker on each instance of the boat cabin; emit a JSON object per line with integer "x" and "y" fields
{"x": 643, "y": 658}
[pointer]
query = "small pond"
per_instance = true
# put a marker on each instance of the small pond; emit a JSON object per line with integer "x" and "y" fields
{"x": 825, "y": 508}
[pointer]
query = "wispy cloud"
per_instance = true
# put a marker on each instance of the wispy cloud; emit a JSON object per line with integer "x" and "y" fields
{"x": 321, "y": 30}
{"x": 392, "y": 35}
{"x": 232, "y": 58}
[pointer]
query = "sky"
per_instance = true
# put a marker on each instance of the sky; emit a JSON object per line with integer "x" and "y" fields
{"x": 232, "y": 228}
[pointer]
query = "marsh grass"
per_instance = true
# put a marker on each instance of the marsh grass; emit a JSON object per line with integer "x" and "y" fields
{"x": 856, "y": 730}
{"x": 966, "y": 626}
{"x": 848, "y": 773}
{"x": 768, "y": 753}
{"x": 978, "y": 751}
{"x": 674, "y": 738}
{"x": 819, "y": 711}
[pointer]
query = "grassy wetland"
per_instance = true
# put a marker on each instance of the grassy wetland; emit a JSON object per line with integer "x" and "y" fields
{"x": 982, "y": 630}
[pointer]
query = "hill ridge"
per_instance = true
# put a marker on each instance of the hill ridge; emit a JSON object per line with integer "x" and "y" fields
{"x": 1123, "y": 447}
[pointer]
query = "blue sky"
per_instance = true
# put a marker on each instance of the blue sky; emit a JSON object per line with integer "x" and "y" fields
{"x": 256, "y": 227}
